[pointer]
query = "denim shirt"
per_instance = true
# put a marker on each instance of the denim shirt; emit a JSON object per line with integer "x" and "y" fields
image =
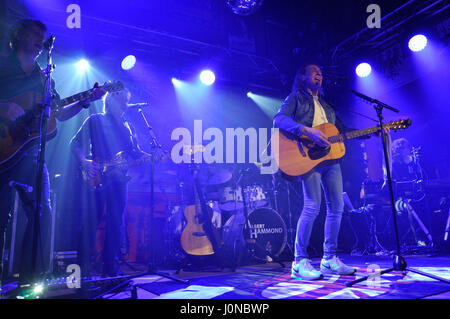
{"x": 298, "y": 111}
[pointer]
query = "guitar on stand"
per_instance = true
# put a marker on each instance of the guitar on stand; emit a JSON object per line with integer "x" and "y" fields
{"x": 199, "y": 237}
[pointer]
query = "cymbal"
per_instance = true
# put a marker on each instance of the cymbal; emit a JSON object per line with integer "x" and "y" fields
{"x": 211, "y": 175}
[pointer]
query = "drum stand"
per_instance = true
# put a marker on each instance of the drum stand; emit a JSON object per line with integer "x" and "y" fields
{"x": 246, "y": 231}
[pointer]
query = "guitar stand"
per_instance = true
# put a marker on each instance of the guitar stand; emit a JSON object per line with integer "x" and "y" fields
{"x": 399, "y": 263}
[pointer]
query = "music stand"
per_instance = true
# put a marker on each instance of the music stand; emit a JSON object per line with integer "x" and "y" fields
{"x": 399, "y": 263}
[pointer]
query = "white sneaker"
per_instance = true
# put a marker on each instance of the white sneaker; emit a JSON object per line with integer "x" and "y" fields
{"x": 335, "y": 266}
{"x": 303, "y": 270}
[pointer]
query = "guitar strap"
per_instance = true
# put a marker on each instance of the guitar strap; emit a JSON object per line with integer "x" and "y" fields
{"x": 300, "y": 145}
{"x": 295, "y": 110}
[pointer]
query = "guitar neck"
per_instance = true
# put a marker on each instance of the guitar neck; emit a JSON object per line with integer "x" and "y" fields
{"x": 126, "y": 164}
{"x": 353, "y": 134}
{"x": 109, "y": 86}
{"x": 75, "y": 98}
{"x": 395, "y": 125}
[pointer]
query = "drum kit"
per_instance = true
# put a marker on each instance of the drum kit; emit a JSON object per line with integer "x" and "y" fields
{"x": 235, "y": 196}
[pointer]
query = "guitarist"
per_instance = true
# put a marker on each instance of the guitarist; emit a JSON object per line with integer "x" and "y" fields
{"x": 20, "y": 74}
{"x": 303, "y": 109}
{"x": 101, "y": 137}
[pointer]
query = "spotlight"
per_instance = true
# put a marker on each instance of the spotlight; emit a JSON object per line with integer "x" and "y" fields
{"x": 175, "y": 82}
{"x": 363, "y": 70}
{"x": 417, "y": 43}
{"x": 207, "y": 77}
{"x": 82, "y": 66}
{"x": 128, "y": 62}
{"x": 38, "y": 289}
{"x": 249, "y": 94}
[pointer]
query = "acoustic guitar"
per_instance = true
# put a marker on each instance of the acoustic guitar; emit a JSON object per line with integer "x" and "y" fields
{"x": 18, "y": 136}
{"x": 297, "y": 155}
{"x": 199, "y": 237}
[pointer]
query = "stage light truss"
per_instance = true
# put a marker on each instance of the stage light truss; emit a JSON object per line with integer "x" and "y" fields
{"x": 394, "y": 26}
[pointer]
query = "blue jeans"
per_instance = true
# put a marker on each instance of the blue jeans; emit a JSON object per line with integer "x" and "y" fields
{"x": 330, "y": 178}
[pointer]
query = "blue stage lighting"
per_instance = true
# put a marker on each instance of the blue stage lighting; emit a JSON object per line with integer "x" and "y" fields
{"x": 175, "y": 82}
{"x": 417, "y": 43}
{"x": 128, "y": 62}
{"x": 363, "y": 70}
{"x": 207, "y": 77}
{"x": 82, "y": 66}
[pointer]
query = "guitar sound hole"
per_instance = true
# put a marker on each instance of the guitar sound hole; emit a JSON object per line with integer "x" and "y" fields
{"x": 318, "y": 152}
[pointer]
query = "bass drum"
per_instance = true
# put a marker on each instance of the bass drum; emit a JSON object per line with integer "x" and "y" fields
{"x": 266, "y": 228}
{"x": 269, "y": 231}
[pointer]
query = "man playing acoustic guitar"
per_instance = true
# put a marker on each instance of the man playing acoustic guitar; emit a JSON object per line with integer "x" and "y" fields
{"x": 302, "y": 110}
{"x": 21, "y": 80}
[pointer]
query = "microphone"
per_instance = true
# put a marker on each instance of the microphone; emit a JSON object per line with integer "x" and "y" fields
{"x": 21, "y": 187}
{"x": 49, "y": 43}
{"x": 137, "y": 105}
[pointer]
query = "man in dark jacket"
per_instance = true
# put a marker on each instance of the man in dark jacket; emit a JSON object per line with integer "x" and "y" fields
{"x": 302, "y": 110}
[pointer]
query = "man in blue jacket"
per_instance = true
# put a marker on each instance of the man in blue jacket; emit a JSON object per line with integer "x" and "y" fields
{"x": 302, "y": 110}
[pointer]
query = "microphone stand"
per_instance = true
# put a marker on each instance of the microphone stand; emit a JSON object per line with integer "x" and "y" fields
{"x": 152, "y": 270}
{"x": 45, "y": 115}
{"x": 399, "y": 263}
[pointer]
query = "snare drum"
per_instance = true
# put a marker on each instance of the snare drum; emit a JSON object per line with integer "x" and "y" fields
{"x": 231, "y": 199}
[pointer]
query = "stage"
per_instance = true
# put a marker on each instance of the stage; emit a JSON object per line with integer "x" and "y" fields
{"x": 271, "y": 281}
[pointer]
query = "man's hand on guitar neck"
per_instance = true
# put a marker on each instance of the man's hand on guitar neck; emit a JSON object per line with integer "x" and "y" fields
{"x": 316, "y": 135}
{"x": 95, "y": 94}
{"x": 67, "y": 112}
{"x": 11, "y": 111}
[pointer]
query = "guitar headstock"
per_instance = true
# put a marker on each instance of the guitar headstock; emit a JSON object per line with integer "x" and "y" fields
{"x": 113, "y": 86}
{"x": 192, "y": 149}
{"x": 399, "y": 124}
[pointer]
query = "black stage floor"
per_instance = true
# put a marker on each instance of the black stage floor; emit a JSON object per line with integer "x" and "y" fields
{"x": 271, "y": 281}
{"x": 265, "y": 281}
